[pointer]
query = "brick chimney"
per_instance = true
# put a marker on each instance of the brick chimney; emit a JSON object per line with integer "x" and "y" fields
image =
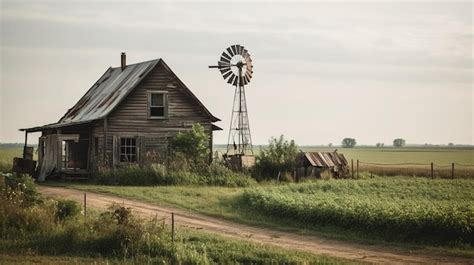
{"x": 123, "y": 61}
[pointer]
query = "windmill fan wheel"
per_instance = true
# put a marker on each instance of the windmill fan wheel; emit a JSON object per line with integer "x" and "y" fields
{"x": 235, "y": 65}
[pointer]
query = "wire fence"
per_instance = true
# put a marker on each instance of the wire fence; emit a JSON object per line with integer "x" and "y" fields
{"x": 431, "y": 170}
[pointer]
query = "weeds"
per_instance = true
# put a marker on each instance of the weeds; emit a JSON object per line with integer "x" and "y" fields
{"x": 155, "y": 174}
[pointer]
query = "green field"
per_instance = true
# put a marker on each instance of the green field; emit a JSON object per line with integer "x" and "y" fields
{"x": 6, "y": 157}
{"x": 412, "y": 209}
{"x": 391, "y": 155}
{"x": 417, "y": 211}
{"x": 439, "y": 156}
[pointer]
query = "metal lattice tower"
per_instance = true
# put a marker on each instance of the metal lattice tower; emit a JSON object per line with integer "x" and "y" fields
{"x": 236, "y": 68}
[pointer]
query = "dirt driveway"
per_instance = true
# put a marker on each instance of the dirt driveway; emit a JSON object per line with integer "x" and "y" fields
{"x": 316, "y": 245}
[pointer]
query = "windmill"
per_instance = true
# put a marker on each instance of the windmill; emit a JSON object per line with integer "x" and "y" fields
{"x": 235, "y": 66}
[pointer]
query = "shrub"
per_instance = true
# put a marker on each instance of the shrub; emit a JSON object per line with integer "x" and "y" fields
{"x": 66, "y": 209}
{"x": 20, "y": 185}
{"x": 193, "y": 144}
{"x": 279, "y": 156}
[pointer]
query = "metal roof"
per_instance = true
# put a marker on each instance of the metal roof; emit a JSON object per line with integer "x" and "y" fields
{"x": 325, "y": 159}
{"x": 114, "y": 85}
{"x": 107, "y": 93}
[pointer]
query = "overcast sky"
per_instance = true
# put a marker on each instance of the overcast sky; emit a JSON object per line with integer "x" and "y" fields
{"x": 322, "y": 71}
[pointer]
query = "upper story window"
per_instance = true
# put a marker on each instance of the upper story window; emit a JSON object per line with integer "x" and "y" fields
{"x": 157, "y": 105}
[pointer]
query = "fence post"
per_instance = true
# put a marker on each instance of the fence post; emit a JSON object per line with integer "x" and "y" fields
{"x": 357, "y": 168}
{"x": 452, "y": 170}
{"x": 172, "y": 227}
{"x": 431, "y": 170}
{"x": 352, "y": 168}
{"x": 85, "y": 206}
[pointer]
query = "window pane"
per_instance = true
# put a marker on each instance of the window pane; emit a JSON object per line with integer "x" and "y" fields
{"x": 128, "y": 150}
{"x": 157, "y": 100}
{"x": 157, "y": 111}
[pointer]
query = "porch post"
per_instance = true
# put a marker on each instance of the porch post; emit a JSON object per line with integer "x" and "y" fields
{"x": 26, "y": 144}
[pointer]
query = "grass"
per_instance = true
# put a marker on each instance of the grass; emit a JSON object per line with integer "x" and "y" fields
{"x": 6, "y": 157}
{"x": 32, "y": 231}
{"x": 440, "y": 156}
{"x": 230, "y": 204}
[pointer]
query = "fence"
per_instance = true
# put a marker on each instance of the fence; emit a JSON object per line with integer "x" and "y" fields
{"x": 431, "y": 170}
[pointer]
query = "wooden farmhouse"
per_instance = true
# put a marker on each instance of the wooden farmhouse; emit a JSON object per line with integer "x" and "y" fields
{"x": 127, "y": 116}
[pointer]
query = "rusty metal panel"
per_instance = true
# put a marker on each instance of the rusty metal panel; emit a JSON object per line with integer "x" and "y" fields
{"x": 325, "y": 159}
{"x": 107, "y": 92}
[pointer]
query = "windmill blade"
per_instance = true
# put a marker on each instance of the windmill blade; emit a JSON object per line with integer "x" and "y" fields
{"x": 237, "y": 48}
{"x": 248, "y": 75}
{"x": 247, "y": 79}
{"x": 235, "y": 81}
{"x": 244, "y": 53}
{"x": 230, "y": 52}
{"x": 225, "y": 57}
{"x": 224, "y": 70}
{"x": 226, "y": 74}
{"x": 234, "y": 49}
{"x": 231, "y": 79}
{"x": 241, "y": 52}
{"x": 223, "y": 64}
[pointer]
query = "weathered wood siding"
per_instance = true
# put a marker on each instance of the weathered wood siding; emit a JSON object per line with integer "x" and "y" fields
{"x": 130, "y": 118}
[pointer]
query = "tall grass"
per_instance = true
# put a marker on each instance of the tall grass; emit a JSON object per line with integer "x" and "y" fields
{"x": 155, "y": 174}
{"x": 46, "y": 227}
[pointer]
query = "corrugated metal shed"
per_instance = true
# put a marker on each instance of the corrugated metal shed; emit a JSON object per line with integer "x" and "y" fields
{"x": 325, "y": 159}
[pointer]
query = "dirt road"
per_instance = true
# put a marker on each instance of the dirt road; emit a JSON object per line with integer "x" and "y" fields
{"x": 316, "y": 245}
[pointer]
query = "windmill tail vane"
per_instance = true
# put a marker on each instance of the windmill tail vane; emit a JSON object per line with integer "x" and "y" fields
{"x": 235, "y": 65}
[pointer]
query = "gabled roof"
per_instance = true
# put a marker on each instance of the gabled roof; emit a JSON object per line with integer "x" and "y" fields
{"x": 325, "y": 159}
{"x": 111, "y": 88}
{"x": 109, "y": 91}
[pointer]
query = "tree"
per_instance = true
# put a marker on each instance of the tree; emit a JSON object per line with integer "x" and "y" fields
{"x": 279, "y": 156}
{"x": 193, "y": 144}
{"x": 348, "y": 142}
{"x": 330, "y": 145}
{"x": 451, "y": 144}
{"x": 399, "y": 142}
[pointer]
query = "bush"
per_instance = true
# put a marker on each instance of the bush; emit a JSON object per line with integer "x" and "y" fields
{"x": 192, "y": 144}
{"x": 279, "y": 157}
{"x": 66, "y": 209}
{"x": 20, "y": 185}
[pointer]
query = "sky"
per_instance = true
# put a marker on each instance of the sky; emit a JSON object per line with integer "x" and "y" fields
{"x": 323, "y": 71}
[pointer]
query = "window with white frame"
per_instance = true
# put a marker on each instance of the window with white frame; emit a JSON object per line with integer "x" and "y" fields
{"x": 128, "y": 150}
{"x": 157, "y": 103}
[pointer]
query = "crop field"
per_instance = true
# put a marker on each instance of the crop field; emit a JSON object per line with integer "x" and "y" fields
{"x": 6, "y": 157}
{"x": 394, "y": 208}
{"x": 400, "y": 209}
{"x": 420, "y": 155}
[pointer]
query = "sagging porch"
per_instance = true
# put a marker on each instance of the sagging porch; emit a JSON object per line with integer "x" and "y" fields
{"x": 63, "y": 152}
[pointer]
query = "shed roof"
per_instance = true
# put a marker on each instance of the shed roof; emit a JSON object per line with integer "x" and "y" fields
{"x": 109, "y": 91}
{"x": 325, "y": 159}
